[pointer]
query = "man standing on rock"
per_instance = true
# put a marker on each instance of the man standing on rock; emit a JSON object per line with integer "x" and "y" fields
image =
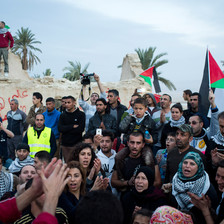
{"x": 5, "y": 38}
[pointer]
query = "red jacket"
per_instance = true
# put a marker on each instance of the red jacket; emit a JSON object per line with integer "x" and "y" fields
{"x": 4, "y": 40}
{"x": 10, "y": 213}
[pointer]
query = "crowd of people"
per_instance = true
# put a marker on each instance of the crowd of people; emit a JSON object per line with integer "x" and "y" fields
{"x": 152, "y": 162}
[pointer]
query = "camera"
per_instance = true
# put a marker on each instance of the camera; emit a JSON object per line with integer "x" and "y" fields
{"x": 85, "y": 78}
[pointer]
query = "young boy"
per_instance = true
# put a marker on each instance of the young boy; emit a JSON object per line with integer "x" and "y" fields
{"x": 141, "y": 216}
{"x": 23, "y": 158}
{"x": 140, "y": 121}
{"x": 161, "y": 155}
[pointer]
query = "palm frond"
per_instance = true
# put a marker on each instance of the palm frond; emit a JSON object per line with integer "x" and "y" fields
{"x": 167, "y": 83}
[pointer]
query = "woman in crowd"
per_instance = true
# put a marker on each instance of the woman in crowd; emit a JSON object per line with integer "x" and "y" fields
{"x": 74, "y": 190}
{"x": 176, "y": 120}
{"x": 143, "y": 195}
{"x": 84, "y": 154}
{"x": 191, "y": 177}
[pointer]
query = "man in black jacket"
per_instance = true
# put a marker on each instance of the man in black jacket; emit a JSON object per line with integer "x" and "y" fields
{"x": 116, "y": 108}
{"x": 102, "y": 119}
{"x": 71, "y": 124}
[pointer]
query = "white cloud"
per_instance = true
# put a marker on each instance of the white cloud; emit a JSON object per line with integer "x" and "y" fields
{"x": 164, "y": 16}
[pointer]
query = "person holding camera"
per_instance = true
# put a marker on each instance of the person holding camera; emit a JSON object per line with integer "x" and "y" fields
{"x": 90, "y": 109}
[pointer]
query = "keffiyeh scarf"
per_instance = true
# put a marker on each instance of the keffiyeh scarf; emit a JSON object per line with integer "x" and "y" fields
{"x": 174, "y": 123}
{"x": 17, "y": 165}
{"x": 6, "y": 182}
{"x": 218, "y": 138}
{"x": 180, "y": 189}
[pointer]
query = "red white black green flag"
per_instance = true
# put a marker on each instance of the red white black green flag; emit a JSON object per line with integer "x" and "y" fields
{"x": 213, "y": 78}
{"x": 147, "y": 76}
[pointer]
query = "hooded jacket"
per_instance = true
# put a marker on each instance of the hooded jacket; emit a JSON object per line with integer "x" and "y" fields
{"x": 156, "y": 108}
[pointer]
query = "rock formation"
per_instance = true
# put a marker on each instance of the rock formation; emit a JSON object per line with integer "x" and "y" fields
{"x": 19, "y": 85}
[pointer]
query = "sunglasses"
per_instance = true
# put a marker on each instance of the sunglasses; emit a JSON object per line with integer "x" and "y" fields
{"x": 193, "y": 122}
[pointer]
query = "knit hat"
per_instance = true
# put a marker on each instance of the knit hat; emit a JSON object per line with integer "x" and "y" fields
{"x": 148, "y": 173}
{"x": 186, "y": 128}
{"x": 23, "y": 146}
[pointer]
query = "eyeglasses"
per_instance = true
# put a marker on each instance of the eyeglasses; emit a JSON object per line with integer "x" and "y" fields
{"x": 193, "y": 122}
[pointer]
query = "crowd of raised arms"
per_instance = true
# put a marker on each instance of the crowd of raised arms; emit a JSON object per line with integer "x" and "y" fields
{"x": 101, "y": 162}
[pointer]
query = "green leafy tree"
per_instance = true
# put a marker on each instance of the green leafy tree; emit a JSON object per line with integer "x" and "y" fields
{"x": 73, "y": 71}
{"x": 24, "y": 47}
{"x": 148, "y": 59}
{"x": 47, "y": 72}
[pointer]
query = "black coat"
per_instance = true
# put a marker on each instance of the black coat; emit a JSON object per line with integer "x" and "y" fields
{"x": 150, "y": 199}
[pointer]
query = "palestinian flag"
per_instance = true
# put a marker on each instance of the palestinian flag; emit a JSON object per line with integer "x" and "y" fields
{"x": 147, "y": 76}
{"x": 213, "y": 77}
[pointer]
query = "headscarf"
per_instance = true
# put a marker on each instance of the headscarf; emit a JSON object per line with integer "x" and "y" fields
{"x": 198, "y": 160}
{"x": 170, "y": 215}
{"x": 151, "y": 193}
{"x": 150, "y": 175}
{"x": 198, "y": 184}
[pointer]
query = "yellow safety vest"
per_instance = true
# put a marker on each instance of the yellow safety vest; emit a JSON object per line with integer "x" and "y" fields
{"x": 39, "y": 144}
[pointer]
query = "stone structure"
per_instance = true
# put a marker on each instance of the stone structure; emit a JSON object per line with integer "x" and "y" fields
{"x": 131, "y": 67}
{"x": 19, "y": 85}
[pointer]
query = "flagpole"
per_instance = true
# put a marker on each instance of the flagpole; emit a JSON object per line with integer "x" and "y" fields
{"x": 208, "y": 69}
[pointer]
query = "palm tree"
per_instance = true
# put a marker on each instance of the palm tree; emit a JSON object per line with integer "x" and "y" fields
{"x": 148, "y": 60}
{"x": 74, "y": 70}
{"x": 36, "y": 76}
{"x": 47, "y": 72}
{"x": 24, "y": 42}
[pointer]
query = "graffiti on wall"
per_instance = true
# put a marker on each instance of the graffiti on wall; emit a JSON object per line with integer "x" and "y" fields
{"x": 18, "y": 95}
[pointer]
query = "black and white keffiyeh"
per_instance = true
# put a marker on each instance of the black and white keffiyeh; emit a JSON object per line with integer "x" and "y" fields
{"x": 218, "y": 138}
{"x": 197, "y": 187}
{"x": 6, "y": 182}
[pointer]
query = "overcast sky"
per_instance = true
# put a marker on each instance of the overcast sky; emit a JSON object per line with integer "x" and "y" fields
{"x": 103, "y": 32}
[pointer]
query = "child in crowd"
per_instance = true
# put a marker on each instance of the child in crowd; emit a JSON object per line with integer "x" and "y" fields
{"x": 142, "y": 216}
{"x": 161, "y": 155}
{"x": 140, "y": 121}
{"x": 23, "y": 158}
